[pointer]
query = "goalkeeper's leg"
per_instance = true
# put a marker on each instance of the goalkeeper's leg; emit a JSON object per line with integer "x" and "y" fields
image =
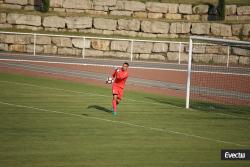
{"x": 114, "y": 102}
{"x": 117, "y": 95}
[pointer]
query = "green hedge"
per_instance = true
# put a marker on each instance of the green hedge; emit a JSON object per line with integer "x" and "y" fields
{"x": 45, "y": 5}
{"x": 221, "y": 10}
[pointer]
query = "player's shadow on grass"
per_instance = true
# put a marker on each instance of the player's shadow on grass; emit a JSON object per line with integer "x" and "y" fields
{"x": 204, "y": 106}
{"x": 177, "y": 103}
{"x": 100, "y": 108}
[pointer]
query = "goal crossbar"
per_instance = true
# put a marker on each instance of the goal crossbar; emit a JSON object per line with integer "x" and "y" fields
{"x": 227, "y": 41}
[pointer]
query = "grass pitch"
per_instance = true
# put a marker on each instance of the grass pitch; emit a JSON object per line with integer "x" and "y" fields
{"x": 46, "y": 123}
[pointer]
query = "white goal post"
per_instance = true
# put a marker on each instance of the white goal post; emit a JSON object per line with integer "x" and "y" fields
{"x": 209, "y": 40}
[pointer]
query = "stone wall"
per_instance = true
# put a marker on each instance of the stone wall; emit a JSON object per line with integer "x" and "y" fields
{"x": 128, "y": 27}
{"x": 121, "y": 49}
{"x": 154, "y": 10}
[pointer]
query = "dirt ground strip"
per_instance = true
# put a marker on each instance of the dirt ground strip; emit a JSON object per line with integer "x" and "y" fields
{"x": 230, "y": 82}
{"x": 104, "y": 70}
{"x": 151, "y": 74}
{"x": 239, "y": 83}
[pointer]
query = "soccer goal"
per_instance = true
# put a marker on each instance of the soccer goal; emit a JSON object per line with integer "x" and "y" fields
{"x": 218, "y": 71}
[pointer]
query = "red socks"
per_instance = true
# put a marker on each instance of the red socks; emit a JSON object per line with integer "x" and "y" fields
{"x": 114, "y": 105}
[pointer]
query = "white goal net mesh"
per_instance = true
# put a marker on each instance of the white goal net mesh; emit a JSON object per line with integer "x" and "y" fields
{"x": 219, "y": 72}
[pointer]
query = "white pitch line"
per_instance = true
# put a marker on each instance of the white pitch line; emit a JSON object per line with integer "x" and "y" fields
{"x": 111, "y": 66}
{"x": 78, "y": 92}
{"x": 95, "y": 94}
{"x": 88, "y": 64}
{"x": 52, "y": 71}
{"x": 127, "y": 123}
{"x": 137, "y": 61}
{"x": 222, "y": 73}
{"x": 95, "y": 59}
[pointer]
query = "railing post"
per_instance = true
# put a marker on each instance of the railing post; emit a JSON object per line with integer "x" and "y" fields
{"x": 131, "y": 51}
{"x": 83, "y": 49}
{"x": 34, "y": 46}
{"x": 179, "y": 59}
{"x": 228, "y": 54}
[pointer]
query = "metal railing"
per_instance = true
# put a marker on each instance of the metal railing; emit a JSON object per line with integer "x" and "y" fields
{"x": 84, "y": 38}
{"x": 131, "y": 41}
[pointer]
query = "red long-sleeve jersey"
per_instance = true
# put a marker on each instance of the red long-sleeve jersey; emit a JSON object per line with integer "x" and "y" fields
{"x": 120, "y": 78}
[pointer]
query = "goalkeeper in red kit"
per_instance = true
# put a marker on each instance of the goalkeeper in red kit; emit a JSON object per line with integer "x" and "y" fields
{"x": 120, "y": 76}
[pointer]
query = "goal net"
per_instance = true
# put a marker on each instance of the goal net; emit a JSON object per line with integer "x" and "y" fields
{"x": 218, "y": 72}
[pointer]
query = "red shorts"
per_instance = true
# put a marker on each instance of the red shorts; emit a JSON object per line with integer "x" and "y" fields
{"x": 117, "y": 91}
